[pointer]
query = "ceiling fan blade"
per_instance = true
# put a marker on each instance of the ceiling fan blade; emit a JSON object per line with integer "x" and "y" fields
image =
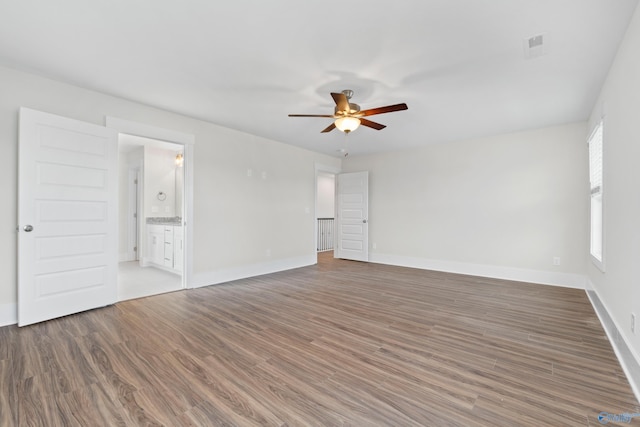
{"x": 341, "y": 101}
{"x": 380, "y": 110}
{"x": 329, "y": 128}
{"x": 311, "y": 115}
{"x": 373, "y": 125}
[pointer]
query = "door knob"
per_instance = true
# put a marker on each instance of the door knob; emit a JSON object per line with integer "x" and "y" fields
{"x": 28, "y": 228}
{"x": 364, "y": 221}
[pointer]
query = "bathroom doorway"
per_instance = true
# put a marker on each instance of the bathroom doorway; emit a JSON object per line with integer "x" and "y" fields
{"x": 151, "y": 239}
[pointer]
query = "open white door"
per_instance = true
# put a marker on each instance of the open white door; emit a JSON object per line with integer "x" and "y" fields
{"x": 67, "y": 216}
{"x": 353, "y": 213}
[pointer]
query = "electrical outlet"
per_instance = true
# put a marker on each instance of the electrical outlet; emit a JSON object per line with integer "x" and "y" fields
{"x": 556, "y": 260}
{"x": 633, "y": 323}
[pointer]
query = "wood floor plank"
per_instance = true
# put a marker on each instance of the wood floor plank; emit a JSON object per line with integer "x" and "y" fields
{"x": 360, "y": 398}
{"x": 8, "y": 395}
{"x": 89, "y": 404}
{"x": 337, "y": 344}
{"x": 281, "y": 395}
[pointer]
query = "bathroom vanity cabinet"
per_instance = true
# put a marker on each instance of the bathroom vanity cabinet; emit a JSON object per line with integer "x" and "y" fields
{"x": 165, "y": 246}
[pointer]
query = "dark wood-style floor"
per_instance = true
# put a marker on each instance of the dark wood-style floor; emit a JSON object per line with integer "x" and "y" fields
{"x": 340, "y": 343}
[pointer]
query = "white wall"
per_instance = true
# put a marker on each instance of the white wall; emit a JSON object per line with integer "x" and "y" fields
{"x": 502, "y": 206}
{"x": 619, "y": 286}
{"x": 243, "y": 225}
{"x": 326, "y": 195}
{"x": 159, "y": 176}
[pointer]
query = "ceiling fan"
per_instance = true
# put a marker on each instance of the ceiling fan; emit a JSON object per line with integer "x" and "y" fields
{"x": 348, "y": 115}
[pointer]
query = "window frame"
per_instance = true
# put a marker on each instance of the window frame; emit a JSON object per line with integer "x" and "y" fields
{"x": 596, "y": 196}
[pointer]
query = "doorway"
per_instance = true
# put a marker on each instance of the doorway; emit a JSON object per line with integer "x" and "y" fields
{"x": 151, "y": 242}
{"x": 325, "y": 192}
{"x": 325, "y": 211}
{"x": 350, "y": 205}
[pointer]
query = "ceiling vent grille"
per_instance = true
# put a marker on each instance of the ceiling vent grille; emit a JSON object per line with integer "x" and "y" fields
{"x": 534, "y": 46}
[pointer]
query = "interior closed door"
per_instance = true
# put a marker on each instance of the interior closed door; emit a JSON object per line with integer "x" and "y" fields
{"x": 67, "y": 213}
{"x": 353, "y": 212}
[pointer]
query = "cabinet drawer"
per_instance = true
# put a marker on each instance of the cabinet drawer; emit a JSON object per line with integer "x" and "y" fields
{"x": 168, "y": 250}
{"x": 168, "y": 234}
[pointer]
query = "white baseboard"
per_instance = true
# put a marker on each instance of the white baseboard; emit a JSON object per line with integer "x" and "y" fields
{"x": 629, "y": 360}
{"x": 230, "y": 274}
{"x": 8, "y": 314}
{"x": 567, "y": 280}
{"x": 127, "y": 256}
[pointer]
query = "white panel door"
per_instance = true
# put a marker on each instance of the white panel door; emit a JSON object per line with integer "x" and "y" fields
{"x": 353, "y": 212}
{"x": 67, "y": 216}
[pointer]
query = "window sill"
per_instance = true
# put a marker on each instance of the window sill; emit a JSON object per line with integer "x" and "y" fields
{"x": 597, "y": 262}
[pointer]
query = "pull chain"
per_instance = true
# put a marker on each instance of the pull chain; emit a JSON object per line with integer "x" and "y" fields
{"x": 344, "y": 150}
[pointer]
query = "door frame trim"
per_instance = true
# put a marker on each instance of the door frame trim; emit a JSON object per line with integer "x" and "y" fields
{"x": 187, "y": 141}
{"x": 320, "y": 168}
{"x": 132, "y": 208}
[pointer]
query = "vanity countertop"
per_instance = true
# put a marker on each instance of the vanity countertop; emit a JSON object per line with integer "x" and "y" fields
{"x": 162, "y": 220}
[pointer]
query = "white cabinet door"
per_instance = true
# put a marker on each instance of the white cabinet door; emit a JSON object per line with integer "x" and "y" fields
{"x": 155, "y": 244}
{"x": 353, "y": 212}
{"x": 67, "y": 216}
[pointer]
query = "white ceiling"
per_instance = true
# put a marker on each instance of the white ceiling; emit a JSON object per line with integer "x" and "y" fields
{"x": 245, "y": 64}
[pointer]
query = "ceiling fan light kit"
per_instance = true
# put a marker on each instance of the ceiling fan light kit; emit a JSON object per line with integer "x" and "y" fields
{"x": 347, "y": 124}
{"x": 348, "y": 116}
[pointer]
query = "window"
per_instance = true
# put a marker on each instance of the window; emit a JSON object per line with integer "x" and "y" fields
{"x": 595, "y": 177}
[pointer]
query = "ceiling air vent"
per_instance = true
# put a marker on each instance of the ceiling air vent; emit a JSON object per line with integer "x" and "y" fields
{"x": 534, "y": 46}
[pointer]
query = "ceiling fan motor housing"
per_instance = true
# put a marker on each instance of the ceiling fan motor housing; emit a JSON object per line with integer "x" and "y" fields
{"x": 353, "y": 108}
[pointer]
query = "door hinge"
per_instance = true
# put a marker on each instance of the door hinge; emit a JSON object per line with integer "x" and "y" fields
{"x": 135, "y": 249}
{"x": 135, "y": 181}
{"x": 135, "y": 214}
